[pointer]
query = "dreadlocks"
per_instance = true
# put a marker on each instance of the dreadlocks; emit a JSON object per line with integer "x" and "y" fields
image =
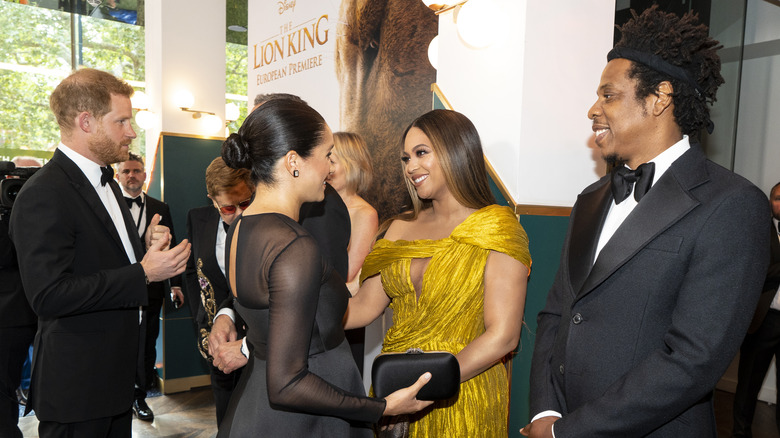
{"x": 682, "y": 42}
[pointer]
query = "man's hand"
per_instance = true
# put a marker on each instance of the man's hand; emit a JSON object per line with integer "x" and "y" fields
{"x": 228, "y": 356}
{"x": 155, "y": 232}
{"x": 160, "y": 265}
{"x": 177, "y": 296}
{"x": 541, "y": 428}
{"x": 222, "y": 331}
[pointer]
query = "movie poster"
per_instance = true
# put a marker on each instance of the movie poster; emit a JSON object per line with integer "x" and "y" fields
{"x": 362, "y": 64}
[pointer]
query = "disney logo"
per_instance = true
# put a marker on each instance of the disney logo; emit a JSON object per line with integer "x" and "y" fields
{"x": 285, "y": 5}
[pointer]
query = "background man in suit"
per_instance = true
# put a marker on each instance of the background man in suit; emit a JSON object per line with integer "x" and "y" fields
{"x": 655, "y": 291}
{"x": 131, "y": 175}
{"x": 17, "y": 325}
{"x": 230, "y": 191}
{"x": 82, "y": 264}
{"x": 762, "y": 341}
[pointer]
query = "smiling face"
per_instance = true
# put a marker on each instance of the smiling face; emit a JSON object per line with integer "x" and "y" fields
{"x": 422, "y": 166}
{"x": 314, "y": 170}
{"x": 621, "y": 122}
{"x": 110, "y": 141}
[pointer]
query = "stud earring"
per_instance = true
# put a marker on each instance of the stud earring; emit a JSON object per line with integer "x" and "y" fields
{"x": 295, "y": 173}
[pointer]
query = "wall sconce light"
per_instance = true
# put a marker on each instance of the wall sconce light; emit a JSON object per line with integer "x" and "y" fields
{"x": 442, "y": 6}
{"x": 479, "y": 22}
{"x": 143, "y": 117}
{"x": 232, "y": 113}
{"x": 433, "y": 52}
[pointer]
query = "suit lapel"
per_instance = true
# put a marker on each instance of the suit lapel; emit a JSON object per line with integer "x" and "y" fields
{"x": 132, "y": 231}
{"x": 83, "y": 187}
{"x": 666, "y": 203}
{"x": 592, "y": 208}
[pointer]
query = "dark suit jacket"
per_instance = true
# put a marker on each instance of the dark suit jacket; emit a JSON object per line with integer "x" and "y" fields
{"x": 634, "y": 345}
{"x": 15, "y": 311}
{"x": 205, "y": 287}
{"x": 86, "y": 294}
{"x": 158, "y": 289}
{"x": 328, "y": 222}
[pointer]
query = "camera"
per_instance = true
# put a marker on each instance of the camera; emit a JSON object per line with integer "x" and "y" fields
{"x": 12, "y": 179}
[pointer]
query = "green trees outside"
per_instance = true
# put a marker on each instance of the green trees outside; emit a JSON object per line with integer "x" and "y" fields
{"x": 40, "y": 46}
{"x": 37, "y": 52}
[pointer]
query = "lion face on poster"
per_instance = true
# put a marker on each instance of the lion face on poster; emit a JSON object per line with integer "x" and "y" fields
{"x": 385, "y": 83}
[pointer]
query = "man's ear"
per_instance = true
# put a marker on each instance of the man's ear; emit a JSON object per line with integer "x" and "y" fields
{"x": 663, "y": 98}
{"x": 85, "y": 121}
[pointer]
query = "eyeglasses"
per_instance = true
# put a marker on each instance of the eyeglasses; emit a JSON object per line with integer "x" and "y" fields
{"x": 231, "y": 209}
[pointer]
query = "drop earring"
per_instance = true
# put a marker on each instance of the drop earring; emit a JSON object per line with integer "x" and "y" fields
{"x": 295, "y": 173}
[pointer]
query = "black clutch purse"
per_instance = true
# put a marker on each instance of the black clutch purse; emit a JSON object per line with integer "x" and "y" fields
{"x": 393, "y": 371}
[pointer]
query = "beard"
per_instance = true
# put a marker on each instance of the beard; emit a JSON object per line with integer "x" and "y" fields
{"x": 614, "y": 160}
{"x": 107, "y": 150}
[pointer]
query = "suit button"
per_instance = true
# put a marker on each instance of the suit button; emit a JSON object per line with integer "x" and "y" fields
{"x": 560, "y": 368}
{"x": 577, "y": 318}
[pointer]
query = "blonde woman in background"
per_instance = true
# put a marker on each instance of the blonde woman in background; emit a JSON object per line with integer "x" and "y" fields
{"x": 352, "y": 174}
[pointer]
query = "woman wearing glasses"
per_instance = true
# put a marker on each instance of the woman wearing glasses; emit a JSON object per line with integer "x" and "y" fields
{"x": 230, "y": 191}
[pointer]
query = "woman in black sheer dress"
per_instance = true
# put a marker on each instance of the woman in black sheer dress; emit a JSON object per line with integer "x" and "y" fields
{"x": 301, "y": 379}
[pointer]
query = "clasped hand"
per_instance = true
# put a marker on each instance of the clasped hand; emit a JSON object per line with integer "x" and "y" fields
{"x": 224, "y": 349}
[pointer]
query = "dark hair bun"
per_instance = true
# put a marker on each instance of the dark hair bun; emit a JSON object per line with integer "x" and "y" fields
{"x": 235, "y": 152}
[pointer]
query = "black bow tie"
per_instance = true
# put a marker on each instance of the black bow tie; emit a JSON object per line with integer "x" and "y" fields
{"x": 106, "y": 175}
{"x": 624, "y": 179}
{"x": 226, "y": 226}
{"x": 136, "y": 200}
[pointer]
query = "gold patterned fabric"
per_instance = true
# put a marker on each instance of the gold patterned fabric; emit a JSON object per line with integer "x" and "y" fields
{"x": 449, "y": 313}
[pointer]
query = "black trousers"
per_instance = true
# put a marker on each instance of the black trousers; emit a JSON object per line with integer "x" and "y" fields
{"x": 118, "y": 426}
{"x": 223, "y": 385}
{"x": 147, "y": 352}
{"x": 755, "y": 356}
{"x": 14, "y": 346}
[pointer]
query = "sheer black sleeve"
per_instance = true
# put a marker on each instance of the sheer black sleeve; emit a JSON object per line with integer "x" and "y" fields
{"x": 294, "y": 275}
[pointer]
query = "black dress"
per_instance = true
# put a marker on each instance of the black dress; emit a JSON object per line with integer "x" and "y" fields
{"x": 301, "y": 379}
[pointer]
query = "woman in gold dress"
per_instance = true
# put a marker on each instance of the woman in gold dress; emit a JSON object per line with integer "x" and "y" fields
{"x": 454, "y": 271}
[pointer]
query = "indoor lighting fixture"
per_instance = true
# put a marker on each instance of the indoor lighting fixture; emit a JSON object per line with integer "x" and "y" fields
{"x": 433, "y": 52}
{"x": 441, "y": 6}
{"x": 479, "y": 22}
{"x": 145, "y": 119}
{"x": 140, "y": 100}
{"x": 232, "y": 113}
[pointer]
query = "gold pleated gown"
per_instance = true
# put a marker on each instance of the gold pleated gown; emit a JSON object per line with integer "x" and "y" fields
{"x": 449, "y": 313}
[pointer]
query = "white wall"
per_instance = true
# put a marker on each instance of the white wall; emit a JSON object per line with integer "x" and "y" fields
{"x": 185, "y": 49}
{"x": 528, "y": 94}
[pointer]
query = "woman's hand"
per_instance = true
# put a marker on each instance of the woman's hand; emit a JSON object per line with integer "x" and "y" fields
{"x": 404, "y": 401}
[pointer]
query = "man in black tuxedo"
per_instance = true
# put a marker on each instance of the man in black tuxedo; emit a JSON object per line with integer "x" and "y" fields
{"x": 230, "y": 191}
{"x": 83, "y": 267}
{"x": 762, "y": 342}
{"x": 655, "y": 288}
{"x": 131, "y": 175}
